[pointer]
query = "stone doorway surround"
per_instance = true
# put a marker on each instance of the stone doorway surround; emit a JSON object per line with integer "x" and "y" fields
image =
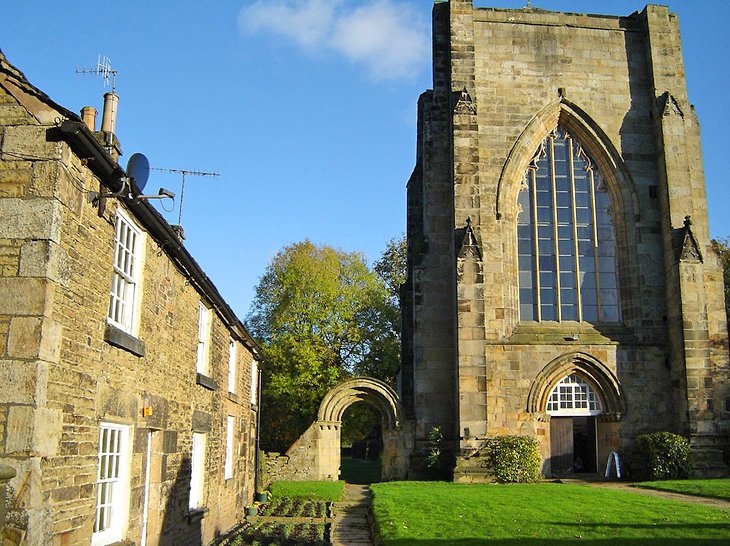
{"x": 604, "y": 383}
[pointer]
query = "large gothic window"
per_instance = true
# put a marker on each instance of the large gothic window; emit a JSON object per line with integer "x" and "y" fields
{"x": 566, "y": 247}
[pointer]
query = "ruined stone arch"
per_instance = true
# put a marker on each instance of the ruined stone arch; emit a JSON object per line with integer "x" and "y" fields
{"x": 603, "y": 381}
{"x": 377, "y": 394}
{"x": 316, "y": 454}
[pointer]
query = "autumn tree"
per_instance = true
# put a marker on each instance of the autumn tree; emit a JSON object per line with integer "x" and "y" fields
{"x": 722, "y": 246}
{"x": 321, "y": 316}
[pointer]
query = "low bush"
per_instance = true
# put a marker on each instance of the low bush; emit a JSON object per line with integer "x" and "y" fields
{"x": 512, "y": 459}
{"x": 665, "y": 456}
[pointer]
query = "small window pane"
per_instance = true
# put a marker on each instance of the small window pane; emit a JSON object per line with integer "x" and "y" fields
{"x": 609, "y": 313}
{"x": 527, "y": 295}
{"x": 569, "y": 312}
{"x": 527, "y": 312}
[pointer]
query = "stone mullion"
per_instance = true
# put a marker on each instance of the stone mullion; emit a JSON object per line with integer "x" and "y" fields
{"x": 578, "y": 300}
{"x": 594, "y": 221}
{"x": 553, "y": 185}
{"x": 535, "y": 241}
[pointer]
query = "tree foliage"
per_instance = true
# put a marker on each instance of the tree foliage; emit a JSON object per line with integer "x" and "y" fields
{"x": 722, "y": 246}
{"x": 321, "y": 315}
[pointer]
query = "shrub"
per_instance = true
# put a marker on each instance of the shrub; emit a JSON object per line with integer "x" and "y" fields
{"x": 435, "y": 457}
{"x": 666, "y": 455}
{"x": 512, "y": 459}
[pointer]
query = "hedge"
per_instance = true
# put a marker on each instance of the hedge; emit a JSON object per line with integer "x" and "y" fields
{"x": 666, "y": 456}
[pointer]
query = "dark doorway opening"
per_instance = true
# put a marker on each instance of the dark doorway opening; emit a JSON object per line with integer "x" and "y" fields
{"x": 573, "y": 445}
{"x": 361, "y": 445}
{"x": 584, "y": 444}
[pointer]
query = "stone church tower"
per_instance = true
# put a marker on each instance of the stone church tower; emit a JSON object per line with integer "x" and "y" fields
{"x": 561, "y": 281}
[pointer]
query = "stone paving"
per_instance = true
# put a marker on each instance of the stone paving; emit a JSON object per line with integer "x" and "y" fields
{"x": 351, "y": 526}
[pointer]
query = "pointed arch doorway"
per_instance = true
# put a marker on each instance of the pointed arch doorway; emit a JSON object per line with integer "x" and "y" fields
{"x": 573, "y": 407}
{"x": 581, "y": 401}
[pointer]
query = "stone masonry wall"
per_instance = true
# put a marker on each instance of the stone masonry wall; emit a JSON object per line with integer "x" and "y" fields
{"x": 503, "y": 79}
{"x": 59, "y": 377}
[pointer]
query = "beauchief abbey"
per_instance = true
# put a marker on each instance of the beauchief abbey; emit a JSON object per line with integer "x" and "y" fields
{"x": 561, "y": 281}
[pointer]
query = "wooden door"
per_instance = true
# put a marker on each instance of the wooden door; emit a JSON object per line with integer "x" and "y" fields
{"x": 561, "y": 445}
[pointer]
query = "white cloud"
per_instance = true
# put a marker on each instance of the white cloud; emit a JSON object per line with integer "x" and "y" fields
{"x": 380, "y": 36}
{"x": 388, "y": 38}
{"x": 307, "y": 22}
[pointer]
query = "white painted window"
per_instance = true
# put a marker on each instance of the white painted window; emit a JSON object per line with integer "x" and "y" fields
{"x": 573, "y": 395}
{"x": 232, "y": 366}
{"x": 204, "y": 315}
{"x": 254, "y": 382}
{"x": 228, "y": 467}
{"x": 124, "y": 293}
{"x": 197, "y": 471}
{"x": 112, "y": 484}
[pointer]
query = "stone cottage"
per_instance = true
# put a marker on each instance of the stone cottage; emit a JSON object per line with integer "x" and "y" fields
{"x": 561, "y": 281}
{"x": 128, "y": 387}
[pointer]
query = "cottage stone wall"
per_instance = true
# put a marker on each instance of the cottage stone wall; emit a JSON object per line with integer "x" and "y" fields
{"x": 503, "y": 79}
{"x": 59, "y": 376}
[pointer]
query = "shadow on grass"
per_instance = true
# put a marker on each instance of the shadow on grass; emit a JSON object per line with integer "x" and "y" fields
{"x": 560, "y": 542}
{"x": 360, "y": 471}
{"x": 697, "y": 527}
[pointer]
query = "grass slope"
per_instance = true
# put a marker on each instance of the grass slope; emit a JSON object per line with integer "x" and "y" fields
{"x": 325, "y": 491}
{"x": 436, "y": 513}
{"x": 716, "y": 489}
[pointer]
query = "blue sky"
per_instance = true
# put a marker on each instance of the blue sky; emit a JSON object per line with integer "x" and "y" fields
{"x": 306, "y": 108}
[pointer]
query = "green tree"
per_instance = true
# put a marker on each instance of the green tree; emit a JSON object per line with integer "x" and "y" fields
{"x": 321, "y": 316}
{"x": 383, "y": 360}
{"x": 722, "y": 246}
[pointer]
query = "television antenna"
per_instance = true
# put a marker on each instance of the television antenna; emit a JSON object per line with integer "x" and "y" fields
{"x": 183, "y": 172}
{"x": 103, "y": 69}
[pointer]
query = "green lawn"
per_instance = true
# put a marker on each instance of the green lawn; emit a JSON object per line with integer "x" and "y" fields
{"x": 359, "y": 470}
{"x": 716, "y": 489}
{"x": 549, "y": 514}
{"x": 325, "y": 491}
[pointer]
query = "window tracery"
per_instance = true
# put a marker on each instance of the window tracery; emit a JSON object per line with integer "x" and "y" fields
{"x": 565, "y": 236}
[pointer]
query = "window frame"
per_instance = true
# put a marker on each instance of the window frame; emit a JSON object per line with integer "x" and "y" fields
{"x": 125, "y": 290}
{"x": 228, "y": 463}
{"x": 254, "y": 382}
{"x": 232, "y": 358}
{"x": 571, "y": 391}
{"x": 204, "y": 336}
{"x": 197, "y": 471}
{"x": 117, "y": 486}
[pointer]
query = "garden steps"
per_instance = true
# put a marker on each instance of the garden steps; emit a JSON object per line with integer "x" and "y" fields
{"x": 351, "y": 526}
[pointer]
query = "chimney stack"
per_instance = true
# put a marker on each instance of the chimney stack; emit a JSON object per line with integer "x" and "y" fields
{"x": 88, "y": 115}
{"x": 109, "y": 117}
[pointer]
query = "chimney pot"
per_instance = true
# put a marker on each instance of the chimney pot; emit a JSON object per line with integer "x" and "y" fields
{"x": 88, "y": 115}
{"x": 109, "y": 117}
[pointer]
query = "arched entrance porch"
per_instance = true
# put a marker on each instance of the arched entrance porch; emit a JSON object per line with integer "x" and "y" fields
{"x": 580, "y": 400}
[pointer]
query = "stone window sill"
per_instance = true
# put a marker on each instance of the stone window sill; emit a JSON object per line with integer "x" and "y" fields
{"x": 205, "y": 381}
{"x": 121, "y": 339}
{"x": 232, "y": 397}
{"x": 569, "y": 332}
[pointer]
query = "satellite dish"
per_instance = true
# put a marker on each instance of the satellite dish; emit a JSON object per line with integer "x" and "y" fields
{"x": 138, "y": 169}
